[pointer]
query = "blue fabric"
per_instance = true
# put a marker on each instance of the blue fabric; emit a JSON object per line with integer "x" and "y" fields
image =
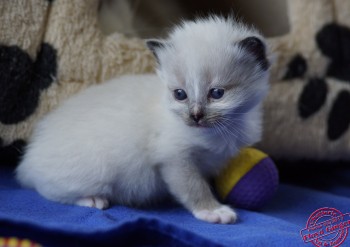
{"x": 25, "y": 214}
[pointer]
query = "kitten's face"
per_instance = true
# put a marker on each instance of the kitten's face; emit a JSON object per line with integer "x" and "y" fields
{"x": 212, "y": 83}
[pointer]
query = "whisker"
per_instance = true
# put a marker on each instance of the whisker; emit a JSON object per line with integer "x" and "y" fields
{"x": 222, "y": 131}
{"x": 234, "y": 131}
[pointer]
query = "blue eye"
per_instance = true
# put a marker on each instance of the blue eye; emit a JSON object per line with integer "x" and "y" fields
{"x": 216, "y": 93}
{"x": 180, "y": 94}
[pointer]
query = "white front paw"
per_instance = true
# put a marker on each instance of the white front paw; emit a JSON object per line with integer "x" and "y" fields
{"x": 93, "y": 202}
{"x": 221, "y": 215}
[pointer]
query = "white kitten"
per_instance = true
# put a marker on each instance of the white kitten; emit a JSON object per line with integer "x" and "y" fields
{"x": 135, "y": 139}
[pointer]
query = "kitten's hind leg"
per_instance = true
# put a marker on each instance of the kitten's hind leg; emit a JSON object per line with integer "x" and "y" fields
{"x": 93, "y": 202}
{"x": 189, "y": 187}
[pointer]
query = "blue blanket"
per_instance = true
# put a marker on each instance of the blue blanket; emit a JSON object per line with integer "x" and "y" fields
{"x": 25, "y": 214}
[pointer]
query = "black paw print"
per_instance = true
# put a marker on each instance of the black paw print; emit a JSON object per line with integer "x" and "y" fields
{"x": 22, "y": 80}
{"x": 334, "y": 42}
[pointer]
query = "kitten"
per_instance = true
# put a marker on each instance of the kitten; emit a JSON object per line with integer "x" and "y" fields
{"x": 134, "y": 139}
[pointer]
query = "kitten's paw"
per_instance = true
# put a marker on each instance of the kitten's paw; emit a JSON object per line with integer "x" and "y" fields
{"x": 221, "y": 215}
{"x": 93, "y": 202}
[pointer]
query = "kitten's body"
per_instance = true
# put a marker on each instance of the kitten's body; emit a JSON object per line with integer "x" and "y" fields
{"x": 128, "y": 141}
{"x": 94, "y": 134}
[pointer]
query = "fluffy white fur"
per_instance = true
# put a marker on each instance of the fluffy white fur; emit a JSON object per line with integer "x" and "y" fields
{"x": 129, "y": 141}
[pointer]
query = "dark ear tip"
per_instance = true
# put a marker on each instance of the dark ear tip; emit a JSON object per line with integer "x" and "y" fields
{"x": 252, "y": 42}
{"x": 150, "y": 44}
{"x": 256, "y": 47}
{"x": 153, "y": 44}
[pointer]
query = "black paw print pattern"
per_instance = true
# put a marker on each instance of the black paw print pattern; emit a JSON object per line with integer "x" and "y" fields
{"x": 334, "y": 42}
{"x": 22, "y": 80}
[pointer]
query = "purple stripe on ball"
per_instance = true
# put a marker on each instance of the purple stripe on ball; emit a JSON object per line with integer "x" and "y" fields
{"x": 256, "y": 187}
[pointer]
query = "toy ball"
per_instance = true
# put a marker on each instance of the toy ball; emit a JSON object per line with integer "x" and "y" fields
{"x": 248, "y": 181}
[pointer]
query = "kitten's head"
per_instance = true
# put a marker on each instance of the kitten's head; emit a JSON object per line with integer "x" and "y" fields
{"x": 214, "y": 70}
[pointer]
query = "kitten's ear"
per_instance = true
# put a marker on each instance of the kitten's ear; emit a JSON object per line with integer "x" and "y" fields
{"x": 257, "y": 48}
{"x": 155, "y": 45}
